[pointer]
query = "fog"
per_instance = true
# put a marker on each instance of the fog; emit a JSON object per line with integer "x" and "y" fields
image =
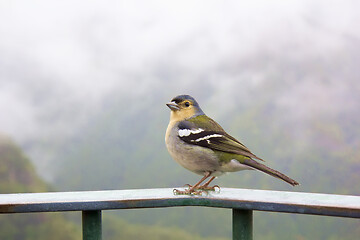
{"x": 59, "y": 60}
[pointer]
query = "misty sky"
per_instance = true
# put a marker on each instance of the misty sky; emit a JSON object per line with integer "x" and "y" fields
{"x": 65, "y": 56}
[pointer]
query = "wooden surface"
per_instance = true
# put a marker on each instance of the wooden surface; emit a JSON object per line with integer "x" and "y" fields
{"x": 263, "y": 200}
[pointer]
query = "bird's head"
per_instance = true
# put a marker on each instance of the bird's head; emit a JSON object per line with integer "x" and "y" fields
{"x": 184, "y": 107}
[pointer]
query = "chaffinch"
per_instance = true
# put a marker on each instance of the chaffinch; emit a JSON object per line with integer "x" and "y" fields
{"x": 202, "y": 146}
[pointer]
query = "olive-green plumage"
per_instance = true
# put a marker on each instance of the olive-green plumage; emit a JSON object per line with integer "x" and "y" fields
{"x": 201, "y": 145}
{"x": 228, "y": 144}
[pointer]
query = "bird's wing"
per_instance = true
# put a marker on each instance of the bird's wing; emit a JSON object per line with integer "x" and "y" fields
{"x": 205, "y": 132}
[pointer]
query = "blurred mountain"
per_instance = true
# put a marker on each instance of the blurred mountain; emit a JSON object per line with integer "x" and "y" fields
{"x": 18, "y": 175}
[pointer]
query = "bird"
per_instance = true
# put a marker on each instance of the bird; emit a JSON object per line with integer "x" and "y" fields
{"x": 202, "y": 146}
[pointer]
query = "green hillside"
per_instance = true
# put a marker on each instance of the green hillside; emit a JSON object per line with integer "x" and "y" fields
{"x": 16, "y": 171}
{"x": 17, "y": 175}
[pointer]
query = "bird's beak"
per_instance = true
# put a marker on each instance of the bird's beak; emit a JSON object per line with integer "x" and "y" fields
{"x": 173, "y": 106}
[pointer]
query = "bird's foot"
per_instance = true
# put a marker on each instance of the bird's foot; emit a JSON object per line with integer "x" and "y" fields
{"x": 196, "y": 190}
{"x": 208, "y": 188}
{"x": 189, "y": 191}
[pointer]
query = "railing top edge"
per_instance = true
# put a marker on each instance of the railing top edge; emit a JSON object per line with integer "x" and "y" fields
{"x": 279, "y": 201}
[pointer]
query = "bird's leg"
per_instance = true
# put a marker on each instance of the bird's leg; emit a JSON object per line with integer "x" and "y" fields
{"x": 192, "y": 189}
{"x": 205, "y": 186}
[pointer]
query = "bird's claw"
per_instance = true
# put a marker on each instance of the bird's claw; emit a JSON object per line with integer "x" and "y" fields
{"x": 195, "y": 191}
{"x": 212, "y": 188}
{"x": 187, "y": 192}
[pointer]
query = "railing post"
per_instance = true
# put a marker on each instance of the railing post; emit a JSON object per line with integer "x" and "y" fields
{"x": 242, "y": 224}
{"x": 91, "y": 225}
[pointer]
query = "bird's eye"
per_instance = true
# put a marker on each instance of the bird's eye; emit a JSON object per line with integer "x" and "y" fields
{"x": 187, "y": 104}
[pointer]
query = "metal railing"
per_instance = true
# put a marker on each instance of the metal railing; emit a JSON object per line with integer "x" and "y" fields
{"x": 242, "y": 201}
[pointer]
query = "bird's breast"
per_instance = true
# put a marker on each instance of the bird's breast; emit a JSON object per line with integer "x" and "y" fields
{"x": 194, "y": 158}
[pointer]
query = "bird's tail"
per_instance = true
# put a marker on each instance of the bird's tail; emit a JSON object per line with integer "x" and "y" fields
{"x": 252, "y": 163}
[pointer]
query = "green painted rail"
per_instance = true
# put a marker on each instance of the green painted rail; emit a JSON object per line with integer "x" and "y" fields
{"x": 242, "y": 201}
